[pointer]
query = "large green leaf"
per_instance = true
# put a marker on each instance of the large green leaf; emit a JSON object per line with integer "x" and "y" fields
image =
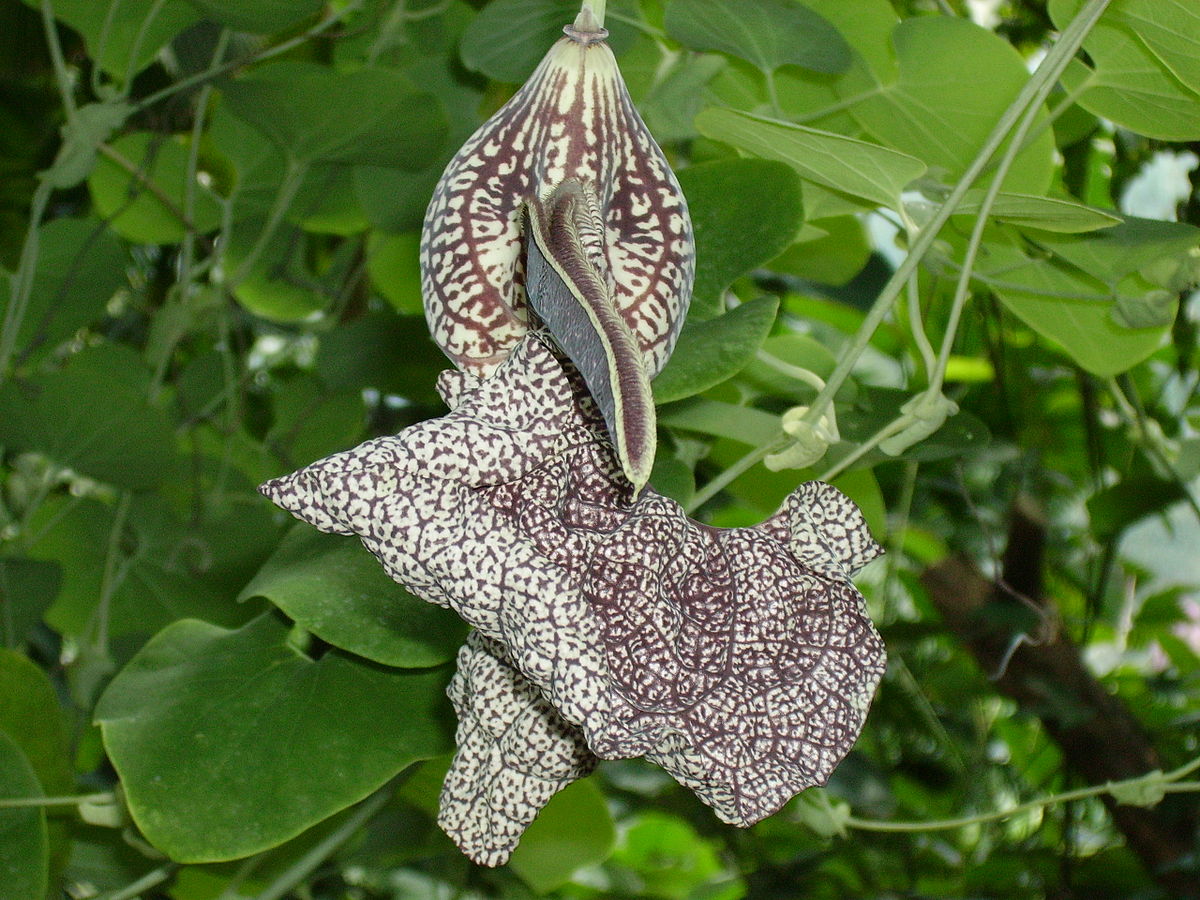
{"x": 259, "y": 16}
{"x": 391, "y": 354}
{"x": 122, "y": 35}
{"x": 332, "y": 586}
{"x": 846, "y": 165}
{"x": 574, "y": 830}
{"x": 29, "y": 714}
{"x": 1170, "y": 28}
{"x": 1067, "y": 287}
{"x": 27, "y": 588}
{"x": 745, "y": 212}
{"x": 714, "y": 417}
{"x": 80, "y": 265}
{"x": 508, "y": 38}
{"x": 767, "y": 33}
{"x": 709, "y": 352}
{"x": 1128, "y": 83}
{"x": 231, "y": 742}
{"x": 954, "y": 82}
{"x": 371, "y": 116}
{"x": 165, "y": 571}
{"x": 92, "y": 416}
{"x": 148, "y": 204}
{"x": 24, "y": 845}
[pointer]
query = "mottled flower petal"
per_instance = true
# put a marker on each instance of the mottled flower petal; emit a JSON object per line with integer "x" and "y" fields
{"x": 741, "y": 660}
{"x": 515, "y": 752}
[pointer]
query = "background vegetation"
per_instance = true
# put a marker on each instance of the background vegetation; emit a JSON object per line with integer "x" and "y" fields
{"x": 208, "y": 230}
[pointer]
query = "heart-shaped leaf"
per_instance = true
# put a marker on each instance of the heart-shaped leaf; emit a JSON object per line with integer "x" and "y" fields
{"x": 232, "y": 742}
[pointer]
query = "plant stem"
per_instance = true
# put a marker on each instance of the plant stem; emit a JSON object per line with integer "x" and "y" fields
{"x": 143, "y": 884}
{"x": 56, "y": 56}
{"x": 22, "y": 281}
{"x": 1171, "y": 782}
{"x": 597, "y": 8}
{"x": 1015, "y": 146}
{"x": 729, "y": 475}
{"x": 1047, "y": 73}
{"x": 23, "y": 802}
{"x": 217, "y": 71}
{"x": 283, "y": 202}
{"x": 304, "y": 866}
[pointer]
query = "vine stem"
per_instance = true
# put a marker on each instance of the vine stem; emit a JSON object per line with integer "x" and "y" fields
{"x": 1043, "y": 79}
{"x": 304, "y": 866}
{"x": 143, "y": 884}
{"x": 597, "y": 8}
{"x": 1171, "y": 783}
{"x": 729, "y": 475}
{"x": 214, "y": 72}
{"x": 23, "y": 802}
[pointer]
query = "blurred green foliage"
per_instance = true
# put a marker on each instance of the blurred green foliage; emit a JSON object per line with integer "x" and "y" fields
{"x": 209, "y": 216}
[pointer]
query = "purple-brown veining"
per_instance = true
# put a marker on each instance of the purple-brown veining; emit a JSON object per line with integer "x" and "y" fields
{"x": 573, "y": 119}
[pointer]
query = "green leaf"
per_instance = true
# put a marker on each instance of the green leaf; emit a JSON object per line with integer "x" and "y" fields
{"x": 170, "y": 571}
{"x": 711, "y": 351}
{"x": 862, "y": 170}
{"x": 332, "y": 586}
{"x": 574, "y": 830}
{"x": 1146, "y": 791}
{"x": 24, "y": 845}
{"x": 767, "y": 33}
{"x": 1045, "y": 213}
{"x": 391, "y": 354}
{"x": 122, "y": 35}
{"x": 231, "y": 742}
{"x": 82, "y": 135}
{"x": 27, "y": 588}
{"x": 739, "y": 423}
{"x": 1129, "y": 84}
{"x": 369, "y": 116}
{"x": 29, "y": 715}
{"x": 745, "y": 212}
{"x": 508, "y": 38}
{"x": 258, "y": 16}
{"x": 1169, "y": 28}
{"x": 1066, "y": 290}
{"x": 1127, "y": 502}
{"x": 134, "y": 204}
{"x": 832, "y": 257}
{"x": 312, "y": 421}
{"x": 92, "y": 416}
{"x": 80, "y": 265}
{"x": 393, "y": 262}
{"x": 954, "y": 82}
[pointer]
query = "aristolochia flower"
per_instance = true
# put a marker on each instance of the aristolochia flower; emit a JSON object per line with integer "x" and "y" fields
{"x": 740, "y": 660}
{"x": 566, "y": 179}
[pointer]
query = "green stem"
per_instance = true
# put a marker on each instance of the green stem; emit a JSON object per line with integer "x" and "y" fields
{"x": 143, "y": 884}
{"x": 1015, "y": 145}
{"x": 283, "y": 202}
{"x": 597, "y": 8}
{"x": 139, "y": 38}
{"x": 893, "y": 427}
{"x": 215, "y": 72}
{"x": 1047, "y": 73}
{"x": 1171, "y": 782}
{"x": 22, "y": 802}
{"x": 812, "y": 379}
{"x": 22, "y": 282}
{"x": 56, "y": 56}
{"x": 304, "y": 866}
{"x": 729, "y": 475}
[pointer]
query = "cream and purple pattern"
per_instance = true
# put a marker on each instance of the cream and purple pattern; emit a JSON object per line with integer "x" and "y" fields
{"x": 740, "y": 660}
